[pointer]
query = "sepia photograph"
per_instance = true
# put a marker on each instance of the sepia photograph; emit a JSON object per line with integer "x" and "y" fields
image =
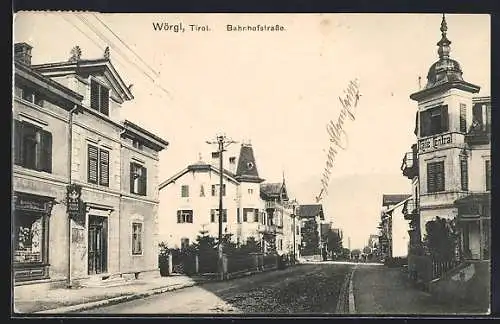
{"x": 334, "y": 164}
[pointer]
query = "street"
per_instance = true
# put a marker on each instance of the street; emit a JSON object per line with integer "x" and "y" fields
{"x": 307, "y": 288}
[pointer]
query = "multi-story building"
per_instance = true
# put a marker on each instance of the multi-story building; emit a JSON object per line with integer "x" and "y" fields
{"x": 451, "y": 164}
{"x": 67, "y": 132}
{"x": 311, "y": 218}
{"x": 189, "y": 204}
{"x": 390, "y": 224}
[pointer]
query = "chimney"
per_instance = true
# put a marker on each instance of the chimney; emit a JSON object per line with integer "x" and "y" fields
{"x": 232, "y": 164}
{"x": 22, "y": 53}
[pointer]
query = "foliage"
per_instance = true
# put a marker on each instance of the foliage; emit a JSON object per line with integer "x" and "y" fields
{"x": 367, "y": 250}
{"x": 251, "y": 246}
{"x": 310, "y": 238}
{"x": 334, "y": 241}
{"x": 440, "y": 239}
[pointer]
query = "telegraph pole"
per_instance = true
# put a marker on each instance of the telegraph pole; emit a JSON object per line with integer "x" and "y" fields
{"x": 222, "y": 143}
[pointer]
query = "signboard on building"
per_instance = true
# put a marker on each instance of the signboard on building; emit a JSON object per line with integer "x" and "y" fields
{"x": 435, "y": 142}
{"x": 75, "y": 204}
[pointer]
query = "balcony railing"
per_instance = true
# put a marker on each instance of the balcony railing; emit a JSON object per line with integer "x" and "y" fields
{"x": 410, "y": 163}
{"x": 478, "y": 137}
{"x": 267, "y": 229}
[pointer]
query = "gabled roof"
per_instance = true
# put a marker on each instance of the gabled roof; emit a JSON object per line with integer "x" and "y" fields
{"x": 273, "y": 190}
{"x": 306, "y": 211}
{"x": 199, "y": 166}
{"x": 103, "y": 65}
{"x": 132, "y": 129}
{"x": 392, "y": 199}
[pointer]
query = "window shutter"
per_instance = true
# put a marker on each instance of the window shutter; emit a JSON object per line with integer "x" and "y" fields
{"x": 143, "y": 184}
{"x": 45, "y": 151}
{"x": 425, "y": 123}
{"x": 464, "y": 173}
{"x": 179, "y": 217}
{"x": 224, "y": 215}
{"x": 132, "y": 175}
{"x": 238, "y": 215}
{"x": 415, "y": 131}
{"x": 104, "y": 100}
{"x": 439, "y": 176}
{"x": 94, "y": 95}
{"x": 213, "y": 190}
{"x": 104, "y": 167}
{"x": 431, "y": 181}
{"x": 212, "y": 215}
{"x": 463, "y": 118}
{"x": 92, "y": 164}
{"x": 444, "y": 118}
{"x": 18, "y": 142}
{"x": 245, "y": 214}
{"x": 256, "y": 215}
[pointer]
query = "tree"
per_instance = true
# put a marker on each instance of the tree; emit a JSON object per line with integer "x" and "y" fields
{"x": 367, "y": 250}
{"x": 310, "y": 238}
{"x": 334, "y": 241}
{"x": 440, "y": 239}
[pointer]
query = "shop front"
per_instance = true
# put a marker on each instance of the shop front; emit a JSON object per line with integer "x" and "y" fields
{"x": 31, "y": 215}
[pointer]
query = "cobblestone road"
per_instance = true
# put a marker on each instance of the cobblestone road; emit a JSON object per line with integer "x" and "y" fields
{"x": 308, "y": 288}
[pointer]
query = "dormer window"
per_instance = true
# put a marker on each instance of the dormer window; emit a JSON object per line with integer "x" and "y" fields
{"x": 99, "y": 97}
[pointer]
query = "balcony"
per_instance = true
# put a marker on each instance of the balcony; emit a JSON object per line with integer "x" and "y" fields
{"x": 478, "y": 137}
{"x": 410, "y": 163}
{"x": 267, "y": 229}
{"x": 410, "y": 210}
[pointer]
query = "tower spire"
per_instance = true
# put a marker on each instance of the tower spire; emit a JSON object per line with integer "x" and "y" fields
{"x": 444, "y": 43}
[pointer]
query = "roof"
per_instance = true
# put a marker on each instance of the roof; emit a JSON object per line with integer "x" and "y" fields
{"x": 199, "y": 166}
{"x": 307, "y": 211}
{"x": 247, "y": 167}
{"x": 156, "y": 141}
{"x": 392, "y": 199}
{"x": 103, "y": 64}
{"x": 273, "y": 190}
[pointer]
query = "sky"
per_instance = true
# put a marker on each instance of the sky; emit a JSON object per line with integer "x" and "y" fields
{"x": 277, "y": 90}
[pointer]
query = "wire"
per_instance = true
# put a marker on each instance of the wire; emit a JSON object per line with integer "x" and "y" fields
{"x": 124, "y": 43}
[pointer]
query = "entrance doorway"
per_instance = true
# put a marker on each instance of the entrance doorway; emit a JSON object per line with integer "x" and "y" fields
{"x": 98, "y": 244}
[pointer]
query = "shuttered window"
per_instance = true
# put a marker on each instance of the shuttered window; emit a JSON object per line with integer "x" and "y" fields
{"x": 32, "y": 147}
{"x": 98, "y": 165}
{"x": 99, "y": 97}
{"x": 138, "y": 179}
{"x": 238, "y": 215}
{"x": 435, "y": 177}
{"x": 214, "y": 215}
{"x": 464, "y": 173}
{"x": 247, "y": 211}
{"x": 185, "y": 191}
{"x": 463, "y": 118}
{"x": 487, "y": 165}
{"x": 256, "y": 215}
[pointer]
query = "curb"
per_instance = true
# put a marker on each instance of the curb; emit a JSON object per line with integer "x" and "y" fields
{"x": 352, "y": 304}
{"x": 115, "y": 300}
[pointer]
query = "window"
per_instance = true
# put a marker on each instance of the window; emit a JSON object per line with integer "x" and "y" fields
{"x": 256, "y": 215}
{"x": 99, "y": 97}
{"x": 246, "y": 212}
{"x": 202, "y": 191}
{"x": 137, "y": 144}
{"x": 464, "y": 173}
{"x": 185, "y": 191}
{"x": 184, "y": 216}
{"x": 463, "y": 118}
{"x": 28, "y": 237}
{"x": 214, "y": 215}
{"x": 215, "y": 192}
{"x": 136, "y": 238}
{"x": 31, "y": 95}
{"x": 250, "y": 191}
{"x": 32, "y": 147}
{"x": 434, "y": 121}
{"x": 98, "y": 165}
{"x": 435, "y": 177}
{"x": 298, "y": 230}
{"x": 232, "y": 160}
{"x": 184, "y": 243}
{"x": 238, "y": 216}
{"x": 487, "y": 165}
{"x": 138, "y": 179}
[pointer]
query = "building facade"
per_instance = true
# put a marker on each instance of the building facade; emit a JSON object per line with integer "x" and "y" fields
{"x": 67, "y": 131}
{"x": 451, "y": 167}
{"x": 312, "y": 217}
{"x": 189, "y": 204}
{"x": 392, "y": 225}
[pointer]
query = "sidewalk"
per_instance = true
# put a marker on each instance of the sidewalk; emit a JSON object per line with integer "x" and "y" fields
{"x": 62, "y": 300}
{"x": 379, "y": 290}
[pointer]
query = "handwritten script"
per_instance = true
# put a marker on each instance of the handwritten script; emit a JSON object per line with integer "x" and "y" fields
{"x": 338, "y": 136}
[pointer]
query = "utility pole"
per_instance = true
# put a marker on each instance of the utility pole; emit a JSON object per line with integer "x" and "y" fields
{"x": 222, "y": 143}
